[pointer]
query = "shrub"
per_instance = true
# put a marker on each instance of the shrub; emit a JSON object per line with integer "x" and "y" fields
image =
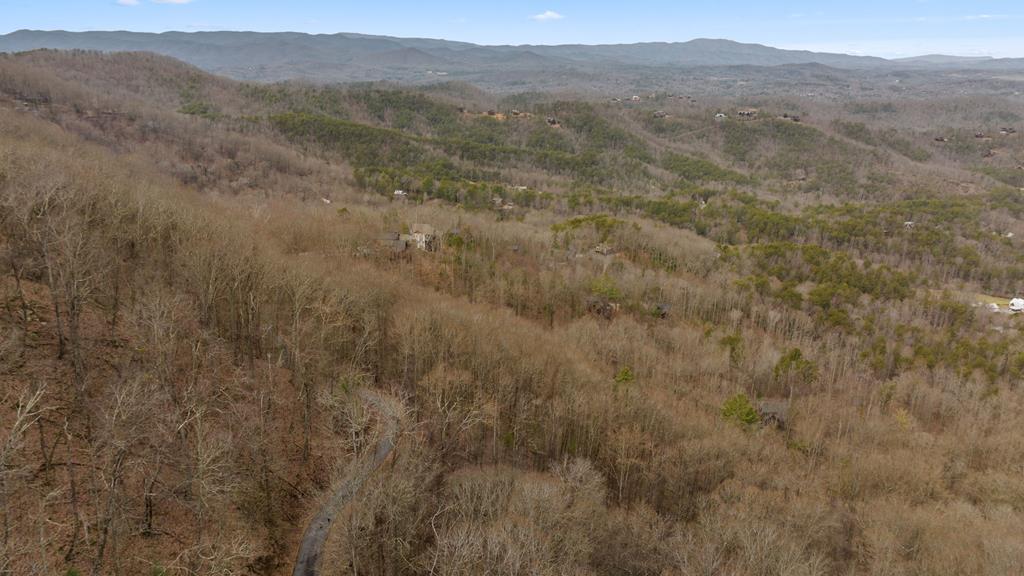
{"x": 625, "y": 376}
{"x": 605, "y": 287}
{"x": 734, "y": 343}
{"x": 603, "y": 224}
{"x": 794, "y": 370}
{"x": 738, "y": 409}
{"x": 198, "y": 108}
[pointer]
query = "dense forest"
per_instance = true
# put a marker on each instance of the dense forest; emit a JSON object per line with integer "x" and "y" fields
{"x": 643, "y": 338}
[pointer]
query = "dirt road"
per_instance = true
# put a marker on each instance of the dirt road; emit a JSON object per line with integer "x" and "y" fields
{"x": 308, "y": 561}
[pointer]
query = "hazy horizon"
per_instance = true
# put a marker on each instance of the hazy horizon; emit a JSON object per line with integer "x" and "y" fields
{"x": 871, "y": 28}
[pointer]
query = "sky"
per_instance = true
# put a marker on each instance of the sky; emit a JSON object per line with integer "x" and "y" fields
{"x": 887, "y": 28}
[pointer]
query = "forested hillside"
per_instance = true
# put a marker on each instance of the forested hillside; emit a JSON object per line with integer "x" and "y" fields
{"x": 640, "y": 338}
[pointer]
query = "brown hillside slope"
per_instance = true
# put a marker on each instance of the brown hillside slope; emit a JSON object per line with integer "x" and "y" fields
{"x": 185, "y": 358}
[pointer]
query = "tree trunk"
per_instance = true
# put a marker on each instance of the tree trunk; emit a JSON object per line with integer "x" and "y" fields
{"x": 108, "y": 514}
{"x": 76, "y": 517}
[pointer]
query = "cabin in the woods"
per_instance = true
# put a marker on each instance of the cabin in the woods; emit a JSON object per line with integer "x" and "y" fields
{"x": 393, "y": 242}
{"x": 424, "y": 236}
{"x": 774, "y": 412}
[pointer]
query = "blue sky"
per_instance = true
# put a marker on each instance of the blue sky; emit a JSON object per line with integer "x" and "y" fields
{"x": 888, "y": 28}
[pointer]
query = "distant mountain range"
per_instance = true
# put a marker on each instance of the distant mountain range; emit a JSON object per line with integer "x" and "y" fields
{"x": 356, "y": 57}
{"x": 943, "y": 60}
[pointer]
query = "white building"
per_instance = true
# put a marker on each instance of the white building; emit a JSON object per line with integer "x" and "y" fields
{"x": 1017, "y": 305}
{"x": 424, "y": 235}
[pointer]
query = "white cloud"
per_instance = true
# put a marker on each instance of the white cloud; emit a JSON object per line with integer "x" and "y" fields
{"x": 547, "y": 16}
{"x": 128, "y": 2}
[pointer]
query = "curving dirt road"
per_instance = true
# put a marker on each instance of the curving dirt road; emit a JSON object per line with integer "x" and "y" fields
{"x": 308, "y": 562}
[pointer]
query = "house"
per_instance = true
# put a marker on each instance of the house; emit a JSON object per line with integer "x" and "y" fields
{"x": 909, "y": 224}
{"x": 721, "y": 116}
{"x": 993, "y": 307}
{"x": 748, "y": 113}
{"x": 393, "y": 242}
{"x": 1017, "y": 305}
{"x": 503, "y": 206}
{"x": 401, "y": 195}
{"x": 553, "y": 122}
{"x": 604, "y": 249}
{"x": 941, "y": 139}
{"x": 774, "y": 412}
{"x": 661, "y": 114}
{"x": 603, "y": 307}
{"x": 635, "y": 98}
{"x": 424, "y": 236}
{"x": 499, "y": 203}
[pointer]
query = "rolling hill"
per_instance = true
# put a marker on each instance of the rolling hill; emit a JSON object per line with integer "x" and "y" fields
{"x": 355, "y": 57}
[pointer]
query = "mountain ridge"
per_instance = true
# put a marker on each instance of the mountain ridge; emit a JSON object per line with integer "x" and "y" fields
{"x": 346, "y": 56}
